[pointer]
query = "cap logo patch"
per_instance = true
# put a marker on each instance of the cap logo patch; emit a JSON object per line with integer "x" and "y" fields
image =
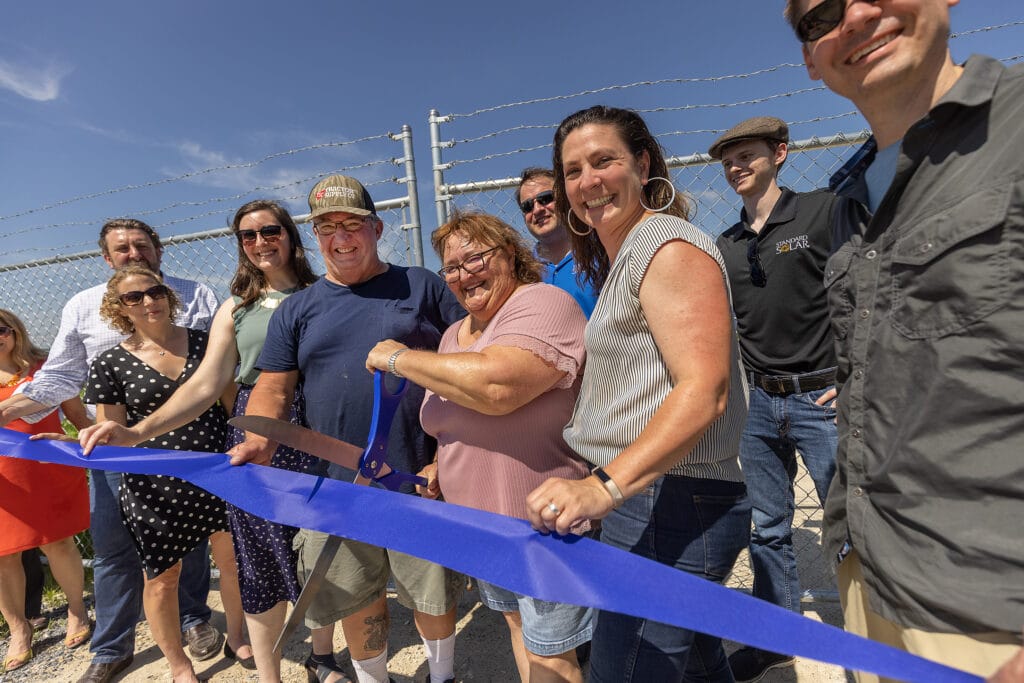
{"x": 336, "y": 193}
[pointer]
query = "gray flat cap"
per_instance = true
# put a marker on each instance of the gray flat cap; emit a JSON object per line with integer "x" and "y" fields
{"x": 762, "y": 127}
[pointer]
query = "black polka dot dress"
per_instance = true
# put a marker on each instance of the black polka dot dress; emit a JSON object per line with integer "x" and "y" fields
{"x": 167, "y": 517}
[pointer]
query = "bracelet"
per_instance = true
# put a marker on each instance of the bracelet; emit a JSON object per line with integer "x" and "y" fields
{"x": 610, "y": 486}
{"x": 391, "y": 363}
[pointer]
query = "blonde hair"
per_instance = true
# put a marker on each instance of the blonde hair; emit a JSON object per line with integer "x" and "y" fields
{"x": 24, "y": 354}
{"x": 111, "y": 308}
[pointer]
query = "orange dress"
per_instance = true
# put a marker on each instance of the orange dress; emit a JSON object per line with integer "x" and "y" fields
{"x": 39, "y": 503}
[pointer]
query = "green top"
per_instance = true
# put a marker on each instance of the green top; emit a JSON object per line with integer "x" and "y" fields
{"x": 251, "y": 330}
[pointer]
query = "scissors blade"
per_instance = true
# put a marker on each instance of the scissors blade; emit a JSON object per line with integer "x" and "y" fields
{"x": 300, "y": 438}
{"x": 309, "y": 590}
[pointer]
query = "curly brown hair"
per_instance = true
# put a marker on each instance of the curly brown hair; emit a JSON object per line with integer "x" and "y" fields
{"x": 494, "y": 232}
{"x": 24, "y": 353}
{"x": 111, "y": 308}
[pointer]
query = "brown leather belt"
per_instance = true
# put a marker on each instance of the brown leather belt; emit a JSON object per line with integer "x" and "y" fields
{"x": 793, "y": 384}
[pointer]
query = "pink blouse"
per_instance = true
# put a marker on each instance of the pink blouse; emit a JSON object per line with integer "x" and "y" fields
{"x": 492, "y": 462}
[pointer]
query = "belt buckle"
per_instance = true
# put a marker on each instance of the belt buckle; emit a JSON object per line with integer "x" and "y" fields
{"x": 775, "y": 385}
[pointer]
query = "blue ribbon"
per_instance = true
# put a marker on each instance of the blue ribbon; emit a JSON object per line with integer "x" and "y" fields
{"x": 504, "y": 551}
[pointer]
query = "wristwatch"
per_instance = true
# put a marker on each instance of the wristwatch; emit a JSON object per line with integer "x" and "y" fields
{"x": 610, "y": 486}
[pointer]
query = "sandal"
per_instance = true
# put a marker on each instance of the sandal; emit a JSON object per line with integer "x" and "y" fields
{"x": 320, "y": 667}
{"x": 74, "y": 640}
{"x": 18, "y": 661}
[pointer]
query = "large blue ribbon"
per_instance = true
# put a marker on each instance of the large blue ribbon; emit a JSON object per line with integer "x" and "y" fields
{"x": 503, "y": 551}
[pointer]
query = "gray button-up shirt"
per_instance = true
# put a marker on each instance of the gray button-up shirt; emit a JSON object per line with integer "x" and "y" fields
{"x": 927, "y": 304}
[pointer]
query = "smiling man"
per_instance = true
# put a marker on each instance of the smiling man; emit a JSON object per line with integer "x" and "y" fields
{"x": 318, "y": 339}
{"x": 536, "y": 198}
{"x": 927, "y": 305}
{"x": 775, "y": 256}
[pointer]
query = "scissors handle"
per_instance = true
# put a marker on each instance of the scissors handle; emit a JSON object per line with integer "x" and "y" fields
{"x": 385, "y": 405}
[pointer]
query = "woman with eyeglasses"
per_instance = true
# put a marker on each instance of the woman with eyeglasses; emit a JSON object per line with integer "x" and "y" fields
{"x": 41, "y": 505}
{"x": 663, "y": 401}
{"x": 499, "y": 390}
{"x": 272, "y": 265}
{"x": 166, "y": 517}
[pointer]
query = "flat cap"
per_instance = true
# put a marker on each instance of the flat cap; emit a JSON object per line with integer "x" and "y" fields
{"x": 759, "y": 127}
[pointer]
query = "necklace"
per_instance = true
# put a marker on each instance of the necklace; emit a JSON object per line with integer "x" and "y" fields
{"x": 13, "y": 381}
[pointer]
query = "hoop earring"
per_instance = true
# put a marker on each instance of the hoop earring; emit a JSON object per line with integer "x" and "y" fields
{"x": 568, "y": 221}
{"x": 670, "y": 199}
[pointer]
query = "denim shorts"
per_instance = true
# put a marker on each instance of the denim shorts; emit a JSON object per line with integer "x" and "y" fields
{"x": 549, "y": 628}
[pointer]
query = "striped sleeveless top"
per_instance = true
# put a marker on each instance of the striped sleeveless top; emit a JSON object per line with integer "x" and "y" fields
{"x": 626, "y": 381}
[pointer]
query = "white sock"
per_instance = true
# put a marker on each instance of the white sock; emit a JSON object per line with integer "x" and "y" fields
{"x": 373, "y": 670}
{"x": 441, "y": 658}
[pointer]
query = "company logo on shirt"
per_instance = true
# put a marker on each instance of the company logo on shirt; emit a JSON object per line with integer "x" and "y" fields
{"x": 792, "y": 244}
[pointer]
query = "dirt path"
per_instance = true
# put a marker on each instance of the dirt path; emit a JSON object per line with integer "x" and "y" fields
{"x": 483, "y": 653}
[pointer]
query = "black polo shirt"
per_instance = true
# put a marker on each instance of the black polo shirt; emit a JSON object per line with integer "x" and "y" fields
{"x": 784, "y": 326}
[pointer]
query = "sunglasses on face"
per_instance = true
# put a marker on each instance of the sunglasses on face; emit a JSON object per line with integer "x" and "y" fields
{"x": 6, "y": 330}
{"x": 758, "y": 277}
{"x": 269, "y": 233}
{"x": 134, "y": 298}
{"x": 821, "y": 19}
{"x": 473, "y": 264}
{"x": 350, "y": 225}
{"x": 543, "y": 198}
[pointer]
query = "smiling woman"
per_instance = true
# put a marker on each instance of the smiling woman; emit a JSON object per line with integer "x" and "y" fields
{"x": 662, "y": 404}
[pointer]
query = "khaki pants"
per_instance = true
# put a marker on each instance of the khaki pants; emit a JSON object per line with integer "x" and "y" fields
{"x": 977, "y": 653}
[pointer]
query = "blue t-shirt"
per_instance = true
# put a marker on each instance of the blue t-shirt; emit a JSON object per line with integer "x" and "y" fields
{"x": 326, "y": 331}
{"x": 563, "y": 276}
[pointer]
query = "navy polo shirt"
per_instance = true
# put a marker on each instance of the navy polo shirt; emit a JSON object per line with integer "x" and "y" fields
{"x": 784, "y": 326}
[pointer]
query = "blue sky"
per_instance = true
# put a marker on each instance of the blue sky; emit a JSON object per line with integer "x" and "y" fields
{"x": 100, "y": 96}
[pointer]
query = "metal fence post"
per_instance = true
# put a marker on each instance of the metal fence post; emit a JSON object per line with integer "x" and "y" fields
{"x": 414, "y": 236}
{"x": 441, "y": 197}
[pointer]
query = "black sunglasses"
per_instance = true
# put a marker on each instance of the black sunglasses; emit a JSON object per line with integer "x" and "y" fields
{"x": 134, "y": 298}
{"x": 821, "y": 19}
{"x": 269, "y": 233}
{"x": 6, "y": 330}
{"x": 544, "y": 198}
{"x": 758, "y": 277}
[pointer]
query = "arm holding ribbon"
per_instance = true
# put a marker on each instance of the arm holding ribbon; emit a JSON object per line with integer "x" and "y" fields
{"x": 197, "y": 394}
{"x": 687, "y": 308}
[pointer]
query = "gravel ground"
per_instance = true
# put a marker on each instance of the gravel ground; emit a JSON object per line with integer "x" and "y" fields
{"x": 483, "y": 652}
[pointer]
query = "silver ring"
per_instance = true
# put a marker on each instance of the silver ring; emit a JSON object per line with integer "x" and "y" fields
{"x": 554, "y": 509}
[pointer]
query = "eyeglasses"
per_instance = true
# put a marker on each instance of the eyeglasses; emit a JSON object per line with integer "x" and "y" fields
{"x": 821, "y": 19}
{"x": 269, "y": 233}
{"x": 473, "y": 264}
{"x": 134, "y": 298}
{"x": 758, "y": 277}
{"x": 543, "y": 198}
{"x": 6, "y": 330}
{"x": 349, "y": 225}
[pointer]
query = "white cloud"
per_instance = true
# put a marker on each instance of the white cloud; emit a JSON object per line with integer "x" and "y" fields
{"x": 41, "y": 84}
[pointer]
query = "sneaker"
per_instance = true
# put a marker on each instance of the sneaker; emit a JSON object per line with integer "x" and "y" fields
{"x": 750, "y": 664}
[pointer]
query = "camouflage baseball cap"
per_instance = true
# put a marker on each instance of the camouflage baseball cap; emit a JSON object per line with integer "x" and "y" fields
{"x": 340, "y": 193}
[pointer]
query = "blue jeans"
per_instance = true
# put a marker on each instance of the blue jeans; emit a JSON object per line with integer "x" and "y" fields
{"x": 695, "y": 525}
{"x": 777, "y": 427}
{"x": 117, "y": 575}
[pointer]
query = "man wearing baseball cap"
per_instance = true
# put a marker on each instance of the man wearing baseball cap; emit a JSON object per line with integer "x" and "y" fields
{"x": 775, "y": 255}
{"x": 319, "y": 339}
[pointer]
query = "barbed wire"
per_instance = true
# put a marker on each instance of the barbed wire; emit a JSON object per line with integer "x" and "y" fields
{"x": 193, "y": 174}
{"x": 816, "y": 119}
{"x": 203, "y": 202}
{"x": 625, "y": 86}
{"x": 985, "y": 29}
